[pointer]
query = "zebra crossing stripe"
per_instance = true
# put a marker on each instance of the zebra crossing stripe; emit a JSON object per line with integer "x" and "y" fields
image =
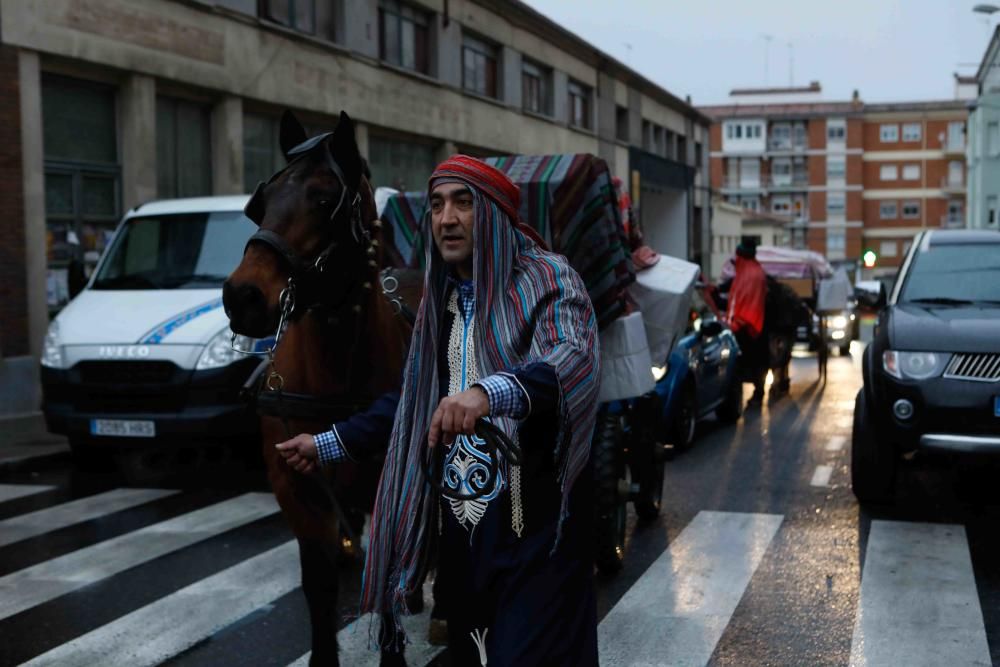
{"x": 172, "y": 624}
{"x": 48, "y": 580}
{"x": 676, "y": 612}
{"x": 918, "y": 603}
{"x": 353, "y": 640}
{"x": 12, "y": 491}
{"x": 92, "y": 507}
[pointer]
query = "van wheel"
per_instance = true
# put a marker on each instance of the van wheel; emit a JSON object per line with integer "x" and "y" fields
{"x": 873, "y": 464}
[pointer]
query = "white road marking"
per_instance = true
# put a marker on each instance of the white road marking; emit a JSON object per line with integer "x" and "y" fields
{"x": 836, "y": 443}
{"x": 353, "y": 640}
{"x": 48, "y": 580}
{"x": 59, "y": 516}
{"x": 821, "y": 477}
{"x": 172, "y": 624}
{"x": 918, "y": 603}
{"x": 12, "y": 491}
{"x": 676, "y": 612}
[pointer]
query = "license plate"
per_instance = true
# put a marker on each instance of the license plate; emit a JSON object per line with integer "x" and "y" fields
{"x": 123, "y": 428}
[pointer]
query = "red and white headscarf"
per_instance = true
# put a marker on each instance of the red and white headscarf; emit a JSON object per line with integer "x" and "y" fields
{"x": 530, "y": 307}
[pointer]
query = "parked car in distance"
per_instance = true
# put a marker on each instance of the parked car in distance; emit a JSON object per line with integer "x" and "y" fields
{"x": 932, "y": 370}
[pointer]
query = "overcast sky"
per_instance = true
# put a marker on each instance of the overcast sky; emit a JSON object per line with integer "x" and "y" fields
{"x": 890, "y": 50}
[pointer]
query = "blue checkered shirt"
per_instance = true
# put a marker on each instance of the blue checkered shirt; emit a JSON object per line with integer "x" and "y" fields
{"x": 506, "y": 395}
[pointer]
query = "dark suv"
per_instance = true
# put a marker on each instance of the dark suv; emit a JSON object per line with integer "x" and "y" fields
{"x": 932, "y": 371}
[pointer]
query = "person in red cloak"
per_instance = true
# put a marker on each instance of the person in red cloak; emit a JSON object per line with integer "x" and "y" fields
{"x": 745, "y": 315}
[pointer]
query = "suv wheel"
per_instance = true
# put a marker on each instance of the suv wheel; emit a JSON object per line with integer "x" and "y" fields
{"x": 873, "y": 464}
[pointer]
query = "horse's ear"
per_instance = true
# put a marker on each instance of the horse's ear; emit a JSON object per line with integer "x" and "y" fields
{"x": 291, "y": 133}
{"x": 345, "y": 151}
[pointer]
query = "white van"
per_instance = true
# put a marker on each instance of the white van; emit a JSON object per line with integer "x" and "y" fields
{"x": 143, "y": 354}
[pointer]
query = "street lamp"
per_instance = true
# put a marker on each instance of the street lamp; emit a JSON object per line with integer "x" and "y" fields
{"x": 986, "y": 9}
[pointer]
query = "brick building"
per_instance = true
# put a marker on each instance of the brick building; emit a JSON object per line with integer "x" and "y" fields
{"x": 827, "y": 167}
{"x": 105, "y": 104}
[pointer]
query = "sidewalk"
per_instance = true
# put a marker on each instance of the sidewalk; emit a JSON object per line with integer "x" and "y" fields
{"x": 24, "y": 441}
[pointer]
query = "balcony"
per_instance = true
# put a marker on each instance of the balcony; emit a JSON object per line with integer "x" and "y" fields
{"x": 954, "y": 146}
{"x": 788, "y": 182}
{"x": 952, "y": 221}
{"x": 778, "y": 145}
{"x": 737, "y": 183}
{"x": 953, "y": 185}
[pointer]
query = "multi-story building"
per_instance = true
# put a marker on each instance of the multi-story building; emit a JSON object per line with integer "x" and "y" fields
{"x": 983, "y": 153}
{"x": 105, "y": 104}
{"x": 913, "y": 175}
{"x": 848, "y": 176}
{"x": 785, "y": 152}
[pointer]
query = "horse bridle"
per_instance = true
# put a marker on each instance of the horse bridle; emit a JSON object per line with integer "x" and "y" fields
{"x": 302, "y": 271}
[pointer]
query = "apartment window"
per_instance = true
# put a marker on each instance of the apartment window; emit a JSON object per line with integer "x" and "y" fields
{"x": 956, "y": 172}
{"x": 750, "y": 173}
{"x": 781, "y": 136}
{"x": 621, "y": 124}
{"x": 911, "y": 132}
{"x": 479, "y": 67}
{"x": 887, "y": 210}
{"x": 754, "y": 131}
{"x": 647, "y": 136}
{"x": 261, "y": 154}
{"x": 956, "y": 135}
{"x": 399, "y": 164}
{"x": 751, "y": 203}
{"x": 993, "y": 139}
{"x": 836, "y": 131}
{"x": 888, "y": 249}
{"x": 888, "y": 133}
{"x": 956, "y": 215}
{"x": 403, "y": 36}
{"x": 697, "y": 154}
{"x": 911, "y": 172}
{"x": 836, "y": 243}
{"x": 888, "y": 172}
{"x": 579, "y": 105}
{"x": 731, "y": 129}
{"x": 535, "y": 87}
{"x": 298, "y": 15}
{"x": 799, "y": 135}
{"x": 835, "y": 204}
{"x": 781, "y": 205}
{"x": 835, "y": 168}
{"x": 911, "y": 210}
{"x": 658, "y": 144}
{"x": 183, "y": 149}
{"x": 682, "y": 149}
{"x": 82, "y": 178}
{"x": 991, "y": 210}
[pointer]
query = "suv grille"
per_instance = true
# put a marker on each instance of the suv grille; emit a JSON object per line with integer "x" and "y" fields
{"x": 978, "y": 367}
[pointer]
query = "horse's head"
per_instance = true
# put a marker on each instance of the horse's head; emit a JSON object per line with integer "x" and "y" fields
{"x": 313, "y": 219}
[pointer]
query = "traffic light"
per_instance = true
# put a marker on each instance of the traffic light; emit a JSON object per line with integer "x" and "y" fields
{"x": 869, "y": 258}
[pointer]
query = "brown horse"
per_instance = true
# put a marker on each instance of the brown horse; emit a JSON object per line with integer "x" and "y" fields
{"x": 310, "y": 274}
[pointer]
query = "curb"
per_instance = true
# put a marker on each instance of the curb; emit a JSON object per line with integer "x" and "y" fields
{"x": 35, "y": 462}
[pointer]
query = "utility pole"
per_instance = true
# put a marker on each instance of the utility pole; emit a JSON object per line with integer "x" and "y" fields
{"x": 767, "y": 52}
{"x": 791, "y": 65}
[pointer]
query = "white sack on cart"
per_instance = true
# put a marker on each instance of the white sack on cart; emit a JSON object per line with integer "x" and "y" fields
{"x": 663, "y": 292}
{"x": 626, "y": 369}
{"x": 834, "y": 292}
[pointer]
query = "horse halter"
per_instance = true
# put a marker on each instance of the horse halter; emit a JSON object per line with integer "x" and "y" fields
{"x": 496, "y": 441}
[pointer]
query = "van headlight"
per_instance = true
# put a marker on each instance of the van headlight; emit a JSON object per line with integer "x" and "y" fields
{"x": 914, "y": 365}
{"x": 52, "y": 356}
{"x": 219, "y": 352}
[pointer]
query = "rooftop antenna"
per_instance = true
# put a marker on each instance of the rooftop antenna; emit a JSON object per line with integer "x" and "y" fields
{"x": 791, "y": 65}
{"x": 767, "y": 48}
{"x": 628, "y": 47}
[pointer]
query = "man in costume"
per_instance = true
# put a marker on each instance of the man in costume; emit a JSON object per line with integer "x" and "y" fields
{"x": 745, "y": 314}
{"x": 505, "y": 331}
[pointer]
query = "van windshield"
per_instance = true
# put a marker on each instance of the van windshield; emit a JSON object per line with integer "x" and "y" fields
{"x": 181, "y": 251}
{"x": 954, "y": 274}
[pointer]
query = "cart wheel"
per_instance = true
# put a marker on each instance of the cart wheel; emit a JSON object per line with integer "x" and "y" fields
{"x": 647, "y": 459}
{"x": 609, "y": 501}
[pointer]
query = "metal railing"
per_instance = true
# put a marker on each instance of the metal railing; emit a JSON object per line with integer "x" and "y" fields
{"x": 952, "y": 221}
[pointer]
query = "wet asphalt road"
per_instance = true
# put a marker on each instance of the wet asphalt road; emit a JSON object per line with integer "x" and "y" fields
{"x": 793, "y": 597}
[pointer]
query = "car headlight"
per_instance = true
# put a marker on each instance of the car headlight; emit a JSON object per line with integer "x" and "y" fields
{"x": 660, "y": 371}
{"x": 837, "y": 322}
{"x": 52, "y": 356}
{"x": 913, "y": 365}
{"x": 219, "y": 352}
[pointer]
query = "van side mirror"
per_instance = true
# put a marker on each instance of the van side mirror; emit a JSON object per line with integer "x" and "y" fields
{"x": 871, "y": 294}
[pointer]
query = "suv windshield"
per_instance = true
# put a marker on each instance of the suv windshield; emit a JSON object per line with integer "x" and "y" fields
{"x": 182, "y": 251}
{"x": 954, "y": 275}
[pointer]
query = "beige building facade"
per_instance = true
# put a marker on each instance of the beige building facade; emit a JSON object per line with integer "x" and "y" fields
{"x": 111, "y": 103}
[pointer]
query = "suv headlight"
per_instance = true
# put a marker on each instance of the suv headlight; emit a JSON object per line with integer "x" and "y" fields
{"x": 836, "y": 322}
{"x": 52, "y": 356}
{"x": 219, "y": 352}
{"x": 914, "y": 365}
